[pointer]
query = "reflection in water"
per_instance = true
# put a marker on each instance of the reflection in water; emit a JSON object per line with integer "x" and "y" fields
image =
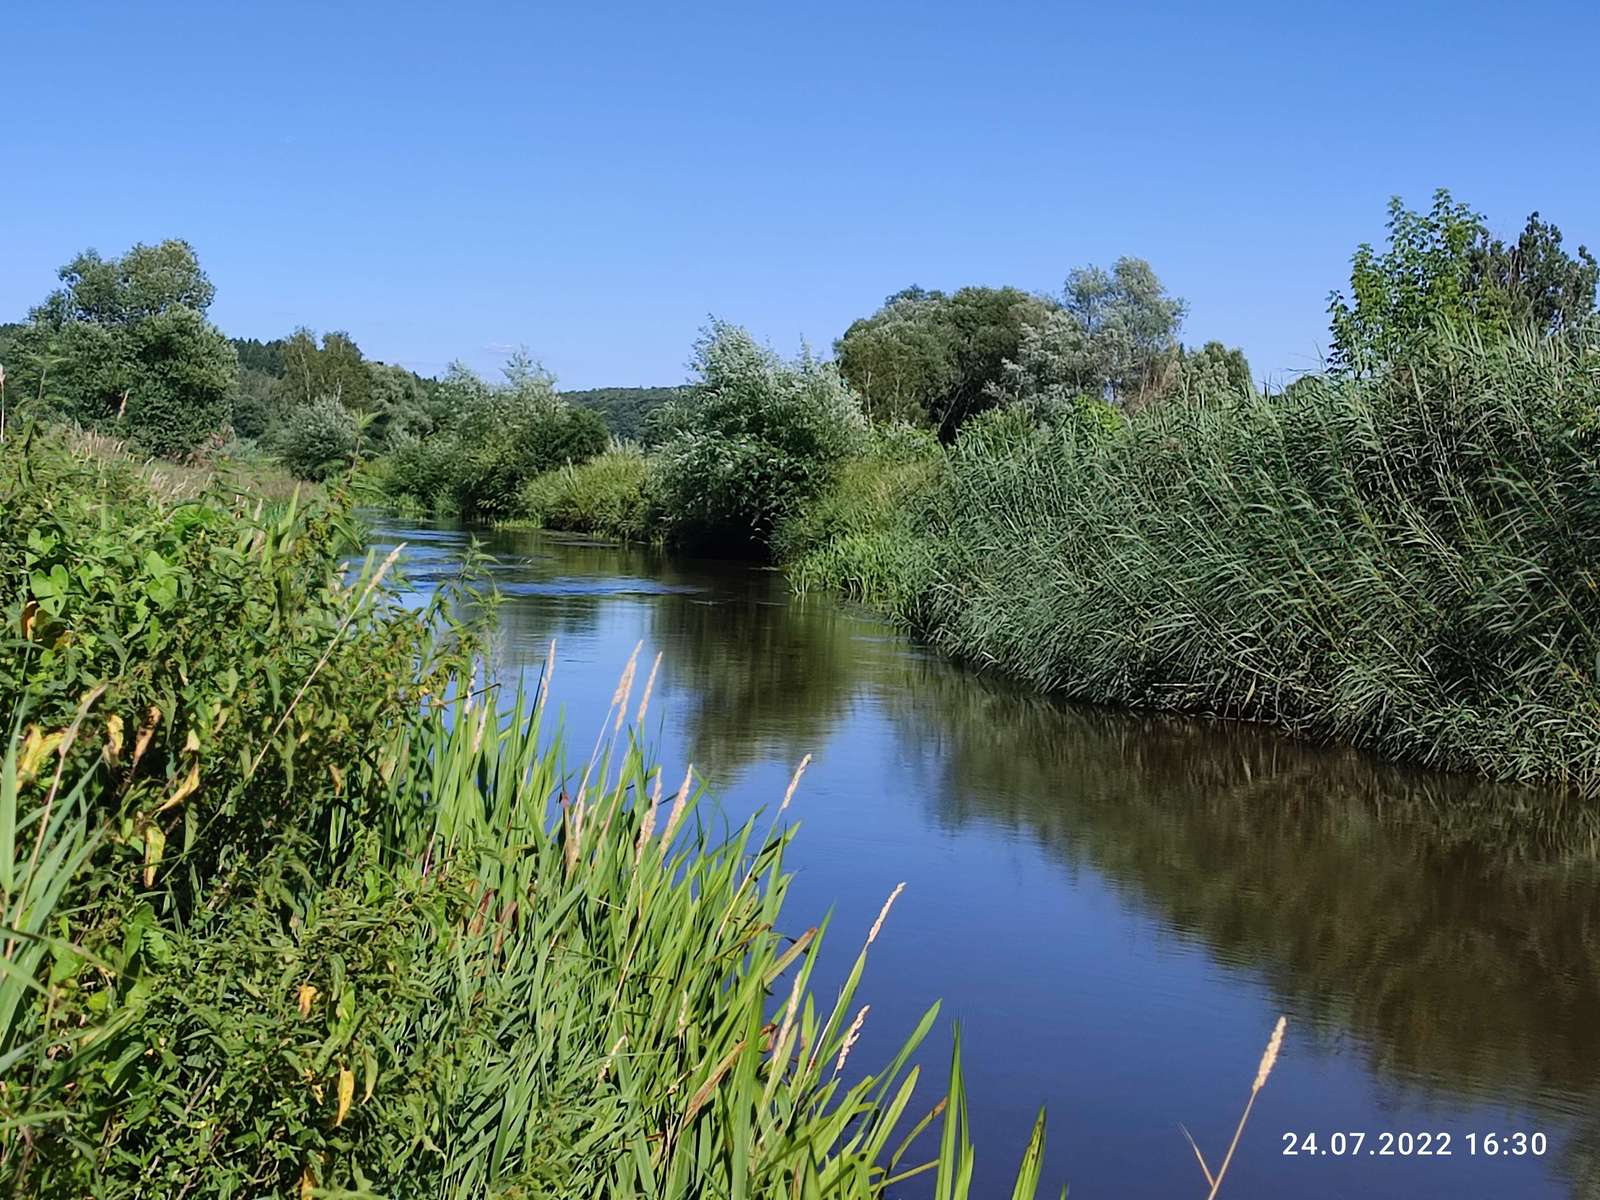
{"x": 1450, "y": 927}
{"x": 1446, "y": 932}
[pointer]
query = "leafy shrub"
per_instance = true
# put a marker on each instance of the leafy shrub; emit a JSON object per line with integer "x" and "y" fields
{"x": 495, "y": 438}
{"x": 753, "y": 440}
{"x": 604, "y": 496}
{"x": 866, "y": 534}
{"x": 236, "y": 660}
{"x": 319, "y": 439}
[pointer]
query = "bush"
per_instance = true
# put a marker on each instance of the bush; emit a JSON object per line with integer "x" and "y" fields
{"x": 496, "y": 438}
{"x": 319, "y": 439}
{"x": 236, "y": 662}
{"x": 604, "y": 496}
{"x": 866, "y": 535}
{"x": 753, "y": 440}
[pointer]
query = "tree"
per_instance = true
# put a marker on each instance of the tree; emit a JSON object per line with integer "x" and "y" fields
{"x": 125, "y": 345}
{"x": 1396, "y": 297}
{"x": 626, "y": 411}
{"x": 1534, "y": 281}
{"x": 335, "y": 368}
{"x": 753, "y": 438}
{"x": 1126, "y": 330}
{"x": 933, "y": 357}
{"x": 491, "y": 438}
{"x": 1443, "y": 267}
{"x": 1114, "y": 337}
{"x": 1213, "y": 371}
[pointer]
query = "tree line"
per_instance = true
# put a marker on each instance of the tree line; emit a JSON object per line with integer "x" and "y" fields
{"x": 126, "y": 345}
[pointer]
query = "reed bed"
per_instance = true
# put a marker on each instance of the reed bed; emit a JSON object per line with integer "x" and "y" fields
{"x": 1406, "y": 563}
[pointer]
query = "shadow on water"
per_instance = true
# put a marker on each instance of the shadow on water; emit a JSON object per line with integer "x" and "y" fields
{"x": 1443, "y": 931}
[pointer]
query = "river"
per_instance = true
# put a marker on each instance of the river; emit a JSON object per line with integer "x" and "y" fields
{"x": 1115, "y": 907}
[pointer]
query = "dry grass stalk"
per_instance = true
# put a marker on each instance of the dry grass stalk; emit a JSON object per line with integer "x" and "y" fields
{"x": 850, "y": 1037}
{"x": 1269, "y": 1058}
{"x": 794, "y": 782}
{"x": 678, "y": 803}
{"x": 883, "y": 913}
{"x": 545, "y": 677}
{"x": 649, "y": 686}
{"x": 648, "y": 825}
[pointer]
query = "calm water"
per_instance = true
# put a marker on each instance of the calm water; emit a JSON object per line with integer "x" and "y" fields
{"x": 1116, "y": 908}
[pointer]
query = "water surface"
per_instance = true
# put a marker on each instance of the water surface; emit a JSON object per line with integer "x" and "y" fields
{"x": 1115, "y": 907}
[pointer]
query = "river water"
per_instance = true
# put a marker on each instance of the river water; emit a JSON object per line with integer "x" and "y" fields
{"x": 1115, "y": 907}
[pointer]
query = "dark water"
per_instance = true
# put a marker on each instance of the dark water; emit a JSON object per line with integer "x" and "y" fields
{"x": 1116, "y": 908}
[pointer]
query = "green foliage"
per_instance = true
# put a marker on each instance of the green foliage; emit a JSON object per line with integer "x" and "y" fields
{"x": 1442, "y": 267}
{"x": 1399, "y": 563}
{"x": 754, "y": 438}
{"x": 202, "y": 622}
{"x": 494, "y": 439}
{"x": 604, "y": 496}
{"x": 125, "y": 346}
{"x": 864, "y": 536}
{"x": 404, "y": 961}
{"x": 626, "y": 411}
{"x": 934, "y": 359}
{"x": 1213, "y": 372}
{"x": 1114, "y": 337}
{"x": 282, "y": 378}
{"x": 1534, "y": 282}
{"x": 319, "y": 439}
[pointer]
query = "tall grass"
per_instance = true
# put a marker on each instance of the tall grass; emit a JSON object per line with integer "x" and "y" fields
{"x": 1405, "y": 563}
{"x": 863, "y": 535}
{"x": 604, "y": 496}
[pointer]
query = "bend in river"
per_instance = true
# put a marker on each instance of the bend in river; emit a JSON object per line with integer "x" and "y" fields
{"x": 1115, "y": 907}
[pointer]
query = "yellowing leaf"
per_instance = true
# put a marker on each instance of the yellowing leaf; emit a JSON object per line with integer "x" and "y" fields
{"x": 189, "y": 784}
{"x": 307, "y": 1184}
{"x": 191, "y": 743}
{"x": 307, "y": 997}
{"x": 347, "y": 1091}
{"x": 113, "y": 738}
{"x": 30, "y": 610}
{"x": 36, "y": 747}
{"x": 154, "y": 843}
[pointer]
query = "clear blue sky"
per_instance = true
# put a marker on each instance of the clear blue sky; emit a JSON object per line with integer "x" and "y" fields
{"x": 593, "y": 179}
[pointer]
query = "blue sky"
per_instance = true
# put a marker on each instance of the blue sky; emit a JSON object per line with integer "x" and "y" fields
{"x": 593, "y": 180}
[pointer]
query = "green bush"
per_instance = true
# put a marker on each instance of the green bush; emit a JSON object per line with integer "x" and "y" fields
{"x": 319, "y": 439}
{"x": 494, "y": 439}
{"x": 750, "y": 443}
{"x": 865, "y": 535}
{"x": 236, "y": 658}
{"x": 604, "y": 496}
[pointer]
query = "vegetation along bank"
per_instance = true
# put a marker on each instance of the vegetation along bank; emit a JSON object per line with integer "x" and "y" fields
{"x": 1397, "y": 551}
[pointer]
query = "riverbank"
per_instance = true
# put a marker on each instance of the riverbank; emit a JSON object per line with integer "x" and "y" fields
{"x": 264, "y": 895}
{"x": 1403, "y": 562}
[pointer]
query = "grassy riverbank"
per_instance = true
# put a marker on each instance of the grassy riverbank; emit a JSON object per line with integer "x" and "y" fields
{"x": 1406, "y": 563}
{"x": 283, "y": 924}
